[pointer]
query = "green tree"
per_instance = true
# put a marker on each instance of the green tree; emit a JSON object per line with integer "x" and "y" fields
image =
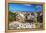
{"x": 11, "y": 16}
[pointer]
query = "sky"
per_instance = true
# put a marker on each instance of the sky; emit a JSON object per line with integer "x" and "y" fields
{"x": 25, "y": 7}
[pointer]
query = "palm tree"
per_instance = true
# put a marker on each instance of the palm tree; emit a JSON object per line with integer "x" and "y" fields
{"x": 36, "y": 22}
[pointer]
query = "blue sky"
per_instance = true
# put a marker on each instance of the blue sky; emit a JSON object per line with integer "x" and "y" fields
{"x": 25, "y": 7}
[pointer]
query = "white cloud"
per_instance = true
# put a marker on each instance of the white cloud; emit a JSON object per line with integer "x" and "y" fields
{"x": 27, "y": 5}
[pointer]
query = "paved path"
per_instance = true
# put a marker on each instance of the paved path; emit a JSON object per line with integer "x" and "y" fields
{"x": 19, "y": 25}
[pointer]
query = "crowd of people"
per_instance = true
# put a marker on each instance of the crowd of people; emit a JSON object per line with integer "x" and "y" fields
{"x": 26, "y": 19}
{"x": 28, "y": 16}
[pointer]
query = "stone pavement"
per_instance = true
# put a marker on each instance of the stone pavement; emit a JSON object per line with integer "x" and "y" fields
{"x": 19, "y": 25}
